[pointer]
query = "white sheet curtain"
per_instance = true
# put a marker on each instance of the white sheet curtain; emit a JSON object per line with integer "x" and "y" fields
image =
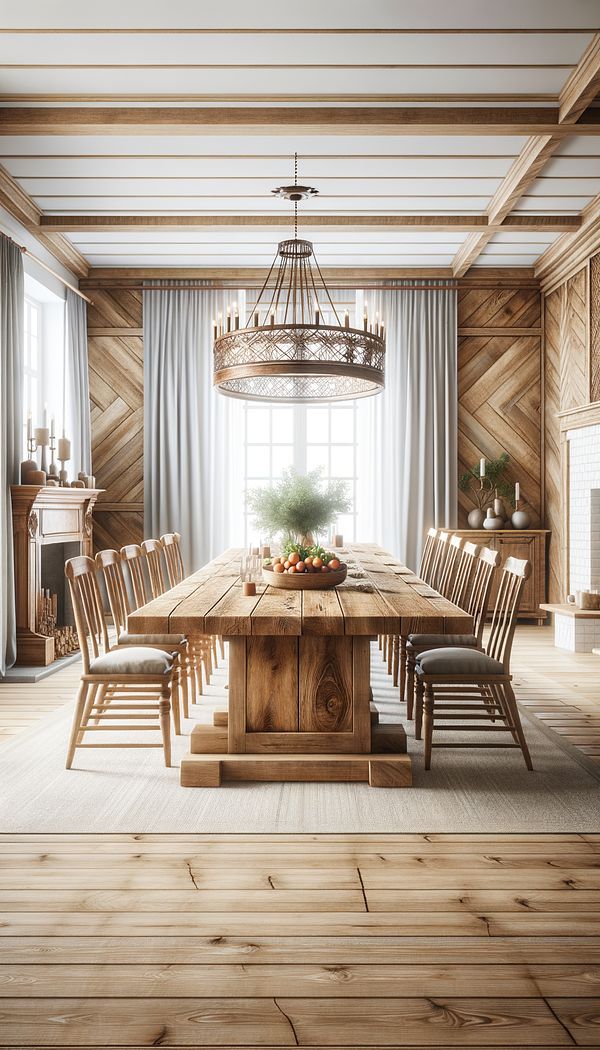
{"x": 77, "y": 384}
{"x": 193, "y": 478}
{"x": 12, "y": 300}
{"x": 408, "y": 434}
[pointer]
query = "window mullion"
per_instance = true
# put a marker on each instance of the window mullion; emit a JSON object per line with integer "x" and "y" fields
{"x": 300, "y": 438}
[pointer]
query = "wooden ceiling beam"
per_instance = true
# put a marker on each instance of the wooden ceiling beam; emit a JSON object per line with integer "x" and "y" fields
{"x": 582, "y": 86}
{"x": 370, "y": 120}
{"x": 522, "y": 173}
{"x": 521, "y": 223}
{"x": 22, "y": 208}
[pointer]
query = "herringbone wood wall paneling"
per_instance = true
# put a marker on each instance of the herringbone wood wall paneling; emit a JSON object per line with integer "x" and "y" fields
{"x": 574, "y": 382}
{"x": 595, "y": 328}
{"x": 499, "y": 386}
{"x": 116, "y": 371}
{"x": 553, "y": 480}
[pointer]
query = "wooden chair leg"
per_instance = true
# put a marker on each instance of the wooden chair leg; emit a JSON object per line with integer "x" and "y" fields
{"x": 95, "y": 694}
{"x": 428, "y": 725}
{"x": 177, "y": 694}
{"x": 164, "y": 715}
{"x": 516, "y": 721}
{"x": 409, "y": 675}
{"x": 77, "y": 716}
{"x": 419, "y": 696}
{"x": 396, "y": 661}
{"x": 402, "y": 668}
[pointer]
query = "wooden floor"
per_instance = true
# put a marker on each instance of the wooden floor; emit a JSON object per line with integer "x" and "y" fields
{"x": 332, "y": 941}
{"x": 396, "y": 941}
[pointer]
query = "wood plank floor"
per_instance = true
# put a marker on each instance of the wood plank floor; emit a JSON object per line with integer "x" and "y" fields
{"x": 320, "y": 941}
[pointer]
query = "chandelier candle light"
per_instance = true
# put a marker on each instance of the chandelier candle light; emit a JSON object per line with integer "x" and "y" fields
{"x": 286, "y": 352}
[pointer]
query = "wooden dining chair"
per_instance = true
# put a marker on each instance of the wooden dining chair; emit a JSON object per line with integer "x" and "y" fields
{"x": 450, "y": 566}
{"x": 433, "y": 560}
{"x": 123, "y": 688}
{"x": 136, "y": 558}
{"x": 471, "y": 592}
{"x": 110, "y": 564}
{"x": 469, "y": 690}
{"x": 171, "y": 544}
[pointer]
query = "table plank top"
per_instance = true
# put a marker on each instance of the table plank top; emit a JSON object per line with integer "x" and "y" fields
{"x": 379, "y": 596}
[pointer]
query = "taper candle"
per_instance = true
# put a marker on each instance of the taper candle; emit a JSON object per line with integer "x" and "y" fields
{"x": 236, "y": 316}
{"x": 346, "y": 319}
{"x": 517, "y": 492}
{"x": 366, "y": 320}
{"x": 482, "y": 467}
{"x": 29, "y": 426}
{"x": 228, "y": 318}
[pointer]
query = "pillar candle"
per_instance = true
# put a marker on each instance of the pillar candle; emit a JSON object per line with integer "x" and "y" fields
{"x": 42, "y": 435}
{"x": 64, "y": 448}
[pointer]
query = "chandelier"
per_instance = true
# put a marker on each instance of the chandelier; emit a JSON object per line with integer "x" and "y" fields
{"x": 293, "y": 346}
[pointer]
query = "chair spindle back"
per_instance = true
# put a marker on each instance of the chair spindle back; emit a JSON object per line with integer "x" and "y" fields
{"x": 134, "y": 556}
{"x": 110, "y": 565}
{"x": 481, "y": 586}
{"x": 87, "y": 608}
{"x": 171, "y": 543}
{"x": 451, "y": 564}
{"x": 464, "y": 574}
{"x": 439, "y": 559}
{"x": 515, "y": 573}
{"x": 427, "y": 555}
{"x": 153, "y": 551}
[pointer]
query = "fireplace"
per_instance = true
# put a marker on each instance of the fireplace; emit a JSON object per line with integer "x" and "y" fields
{"x": 50, "y": 525}
{"x": 584, "y": 508}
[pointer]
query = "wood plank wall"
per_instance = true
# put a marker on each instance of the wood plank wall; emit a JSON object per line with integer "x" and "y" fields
{"x": 499, "y": 386}
{"x": 499, "y": 381}
{"x": 116, "y": 371}
{"x": 571, "y": 382}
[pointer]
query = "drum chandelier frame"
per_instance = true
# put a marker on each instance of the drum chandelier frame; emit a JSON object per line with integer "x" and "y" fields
{"x": 286, "y": 353}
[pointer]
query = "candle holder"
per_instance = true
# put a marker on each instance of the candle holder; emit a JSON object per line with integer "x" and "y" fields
{"x": 29, "y": 465}
{"x": 520, "y": 519}
{"x": 53, "y": 469}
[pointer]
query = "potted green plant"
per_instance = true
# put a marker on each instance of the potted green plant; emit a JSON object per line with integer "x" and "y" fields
{"x": 483, "y": 491}
{"x": 299, "y": 508}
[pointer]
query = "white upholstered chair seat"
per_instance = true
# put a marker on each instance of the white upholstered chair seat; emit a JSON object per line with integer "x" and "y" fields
{"x": 132, "y": 659}
{"x": 128, "y": 638}
{"x": 449, "y": 661}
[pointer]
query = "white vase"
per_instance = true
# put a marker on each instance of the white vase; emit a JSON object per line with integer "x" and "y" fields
{"x": 521, "y": 519}
{"x": 493, "y": 521}
{"x": 476, "y": 518}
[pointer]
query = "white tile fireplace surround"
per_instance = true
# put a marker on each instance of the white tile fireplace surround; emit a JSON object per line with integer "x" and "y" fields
{"x": 582, "y": 635}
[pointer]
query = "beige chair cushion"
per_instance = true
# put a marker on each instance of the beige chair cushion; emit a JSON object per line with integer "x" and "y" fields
{"x": 132, "y": 659}
{"x": 126, "y": 638}
{"x": 468, "y": 661}
{"x": 436, "y": 641}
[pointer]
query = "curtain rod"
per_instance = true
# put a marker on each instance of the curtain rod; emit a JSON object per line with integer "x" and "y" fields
{"x": 41, "y": 262}
{"x": 233, "y": 285}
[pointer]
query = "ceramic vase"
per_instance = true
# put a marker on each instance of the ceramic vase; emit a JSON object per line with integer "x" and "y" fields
{"x": 521, "y": 519}
{"x": 476, "y": 518}
{"x": 493, "y": 521}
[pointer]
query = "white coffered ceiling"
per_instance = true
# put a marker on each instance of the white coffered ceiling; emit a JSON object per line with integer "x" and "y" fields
{"x": 146, "y": 57}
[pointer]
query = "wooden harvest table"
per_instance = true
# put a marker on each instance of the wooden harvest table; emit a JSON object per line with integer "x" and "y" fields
{"x": 299, "y": 669}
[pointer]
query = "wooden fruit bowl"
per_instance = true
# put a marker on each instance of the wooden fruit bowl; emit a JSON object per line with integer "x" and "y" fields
{"x": 305, "y": 581}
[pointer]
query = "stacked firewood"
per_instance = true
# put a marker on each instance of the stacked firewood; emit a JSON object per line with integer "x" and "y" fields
{"x": 47, "y": 611}
{"x": 65, "y": 641}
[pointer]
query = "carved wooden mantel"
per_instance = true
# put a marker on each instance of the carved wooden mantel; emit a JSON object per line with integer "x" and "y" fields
{"x": 42, "y": 515}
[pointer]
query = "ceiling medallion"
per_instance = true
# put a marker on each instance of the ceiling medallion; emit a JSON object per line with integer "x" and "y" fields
{"x": 294, "y": 348}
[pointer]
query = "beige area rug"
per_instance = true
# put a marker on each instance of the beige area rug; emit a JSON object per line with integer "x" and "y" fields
{"x": 131, "y": 791}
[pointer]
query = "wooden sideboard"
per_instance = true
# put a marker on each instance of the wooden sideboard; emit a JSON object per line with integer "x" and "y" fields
{"x": 42, "y": 516}
{"x": 519, "y": 543}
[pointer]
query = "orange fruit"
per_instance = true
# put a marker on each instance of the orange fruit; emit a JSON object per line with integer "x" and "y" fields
{"x": 278, "y": 567}
{"x": 294, "y": 558}
{"x": 334, "y": 563}
{"x": 300, "y": 566}
{"x": 317, "y": 562}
